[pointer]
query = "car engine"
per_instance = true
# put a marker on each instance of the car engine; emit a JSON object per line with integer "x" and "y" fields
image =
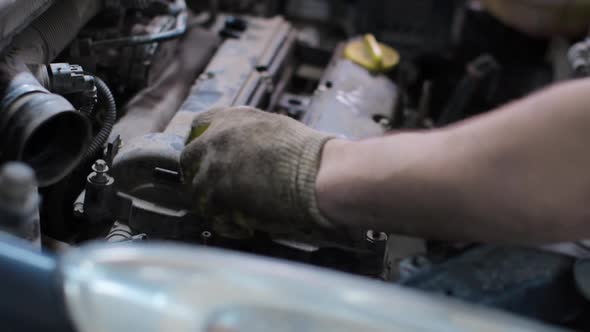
{"x": 99, "y": 96}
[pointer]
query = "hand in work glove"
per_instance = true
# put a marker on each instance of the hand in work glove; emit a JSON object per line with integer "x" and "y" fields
{"x": 253, "y": 170}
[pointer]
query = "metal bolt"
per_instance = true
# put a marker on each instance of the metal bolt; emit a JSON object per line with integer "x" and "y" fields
{"x": 373, "y": 236}
{"x": 321, "y": 88}
{"x": 98, "y": 194}
{"x": 206, "y": 76}
{"x": 205, "y": 236}
{"x": 100, "y": 166}
{"x": 100, "y": 174}
{"x": 266, "y": 77}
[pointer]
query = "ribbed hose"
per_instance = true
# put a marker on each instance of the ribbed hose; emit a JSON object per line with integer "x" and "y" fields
{"x": 39, "y": 128}
{"x": 106, "y": 99}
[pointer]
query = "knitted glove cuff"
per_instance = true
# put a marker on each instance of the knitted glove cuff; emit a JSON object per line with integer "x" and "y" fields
{"x": 300, "y": 166}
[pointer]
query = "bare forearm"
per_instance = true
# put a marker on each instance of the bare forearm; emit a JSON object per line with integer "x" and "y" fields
{"x": 521, "y": 174}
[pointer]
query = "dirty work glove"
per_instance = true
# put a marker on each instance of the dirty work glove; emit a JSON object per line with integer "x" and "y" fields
{"x": 251, "y": 170}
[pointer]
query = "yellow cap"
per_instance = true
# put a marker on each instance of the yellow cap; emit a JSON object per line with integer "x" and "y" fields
{"x": 371, "y": 54}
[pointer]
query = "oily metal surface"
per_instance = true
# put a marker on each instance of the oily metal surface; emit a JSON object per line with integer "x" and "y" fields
{"x": 151, "y": 196}
{"x": 350, "y": 101}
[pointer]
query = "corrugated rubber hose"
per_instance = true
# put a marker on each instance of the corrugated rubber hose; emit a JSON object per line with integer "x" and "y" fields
{"x": 106, "y": 100}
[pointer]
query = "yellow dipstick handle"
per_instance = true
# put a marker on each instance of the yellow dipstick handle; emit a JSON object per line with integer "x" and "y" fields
{"x": 372, "y": 55}
{"x": 374, "y": 49}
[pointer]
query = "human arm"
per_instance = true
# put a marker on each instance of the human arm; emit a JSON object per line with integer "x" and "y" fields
{"x": 543, "y": 18}
{"x": 517, "y": 175}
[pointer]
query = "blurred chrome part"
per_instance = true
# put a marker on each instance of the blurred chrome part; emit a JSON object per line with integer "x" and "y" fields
{"x": 177, "y": 288}
{"x": 19, "y": 202}
{"x": 32, "y": 299}
{"x": 120, "y": 232}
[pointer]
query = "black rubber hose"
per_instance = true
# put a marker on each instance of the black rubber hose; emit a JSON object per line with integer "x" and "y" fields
{"x": 107, "y": 100}
{"x": 40, "y": 128}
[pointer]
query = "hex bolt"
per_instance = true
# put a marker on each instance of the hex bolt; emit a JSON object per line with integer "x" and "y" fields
{"x": 100, "y": 174}
{"x": 384, "y": 122}
{"x": 98, "y": 195}
{"x": 205, "y": 236}
{"x": 206, "y": 76}
{"x": 374, "y": 236}
{"x": 100, "y": 166}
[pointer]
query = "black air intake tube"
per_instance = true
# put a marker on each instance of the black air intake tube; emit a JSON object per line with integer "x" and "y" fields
{"x": 39, "y": 128}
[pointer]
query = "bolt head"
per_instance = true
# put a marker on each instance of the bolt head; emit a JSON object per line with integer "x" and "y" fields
{"x": 374, "y": 236}
{"x": 100, "y": 166}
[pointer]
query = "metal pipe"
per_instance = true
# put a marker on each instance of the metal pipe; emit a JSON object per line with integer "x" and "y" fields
{"x": 177, "y": 32}
{"x": 48, "y": 35}
{"x": 16, "y": 16}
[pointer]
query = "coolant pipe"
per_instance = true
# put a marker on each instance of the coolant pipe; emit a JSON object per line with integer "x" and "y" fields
{"x": 49, "y": 34}
{"x": 39, "y": 128}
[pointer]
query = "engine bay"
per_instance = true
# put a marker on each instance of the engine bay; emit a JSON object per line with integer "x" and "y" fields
{"x": 119, "y": 82}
